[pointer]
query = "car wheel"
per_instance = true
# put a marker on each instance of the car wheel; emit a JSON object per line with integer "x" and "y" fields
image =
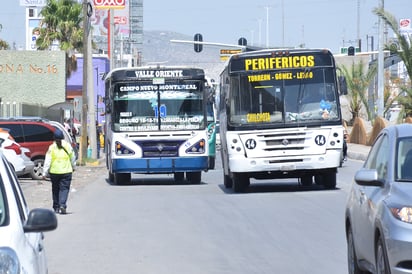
{"x": 37, "y": 172}
{"x": 382, "y": 264}
{"x": 353, "y": 267}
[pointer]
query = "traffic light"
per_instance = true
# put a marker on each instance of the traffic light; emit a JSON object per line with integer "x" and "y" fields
{"x": 242, "y": 41}
{"x": 351, "y": 51}
{"x": 198, "y": 38}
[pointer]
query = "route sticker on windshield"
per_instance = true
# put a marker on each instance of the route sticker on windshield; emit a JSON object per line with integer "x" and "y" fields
{"x": 250, "y": 144}
{"x": 320, "y": 140}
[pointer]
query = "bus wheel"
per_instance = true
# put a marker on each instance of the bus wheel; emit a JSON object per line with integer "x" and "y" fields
{"x": 227, "y": 181}
{"x": 122, "y": 178}
{"x": 319, "y": 180}
{"x": 179, "y": 176}
{"x": 194, "y": 177}
{"x": 111, "y": 177}
{"x": 306, "y": 180}
{"x": 329, "y": 180}
{"x": 240, "y": 182}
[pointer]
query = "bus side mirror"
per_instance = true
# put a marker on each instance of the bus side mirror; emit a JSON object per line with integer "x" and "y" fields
{"x": 108, "y": 105}
{"x": 343, "y": 87}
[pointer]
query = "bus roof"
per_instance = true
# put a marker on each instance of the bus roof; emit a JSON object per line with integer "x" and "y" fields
{"x": 150, "y": 72}
{"x": 275, "y": 59}
{"x": 284, "y": 51}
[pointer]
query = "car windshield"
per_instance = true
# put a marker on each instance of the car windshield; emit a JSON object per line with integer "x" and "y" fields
{"x": 404, "y": 159}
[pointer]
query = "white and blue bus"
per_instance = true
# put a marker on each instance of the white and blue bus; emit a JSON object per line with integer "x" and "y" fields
{"x": 280, "y": 117}
{"x": 156, "y": 123}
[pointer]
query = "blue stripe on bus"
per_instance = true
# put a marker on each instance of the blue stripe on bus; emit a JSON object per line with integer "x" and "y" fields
{"x": 147, "y": 165}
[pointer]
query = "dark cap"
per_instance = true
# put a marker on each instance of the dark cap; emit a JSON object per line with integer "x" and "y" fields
{"x": 58, "y": 134}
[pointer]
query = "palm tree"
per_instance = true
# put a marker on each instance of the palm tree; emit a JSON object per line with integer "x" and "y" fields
{"x": 62, "y": 24}
{"x": 3, "y": 44}
{"x": 358, "y": 82}
{"x": 405, "y": 54}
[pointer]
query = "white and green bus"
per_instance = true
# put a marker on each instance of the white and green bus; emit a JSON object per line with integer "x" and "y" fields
{"x": 280, "y": 117}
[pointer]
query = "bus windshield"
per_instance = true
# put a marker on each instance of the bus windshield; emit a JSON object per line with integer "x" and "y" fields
{"x": 283, "y": 97}
{"x": 144, "y": 106}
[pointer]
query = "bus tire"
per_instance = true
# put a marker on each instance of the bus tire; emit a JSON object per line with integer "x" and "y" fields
{"x": 329, "y": 180}
{"x": 122, "y": 178}
{"x": 194, "y": 177}
{"x": 306, "y": 180}
{"x": 240, "y": 182}
{"x": 319, "y": 180}
{"x": 111, "y": 177}
{"x": 179, "y": 176}
{"x": 227, "y": 181}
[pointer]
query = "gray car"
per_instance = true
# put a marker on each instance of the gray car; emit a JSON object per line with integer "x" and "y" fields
{"x": 378, "y": 217}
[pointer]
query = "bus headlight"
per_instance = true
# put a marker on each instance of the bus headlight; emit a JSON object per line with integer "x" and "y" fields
{"x": 197, "y": 148}
{"x": 121, "y": 149}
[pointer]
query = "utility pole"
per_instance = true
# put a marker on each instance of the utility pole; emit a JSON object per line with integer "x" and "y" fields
{"x": 88, "y": 121}
{"x": 111, "y": 39}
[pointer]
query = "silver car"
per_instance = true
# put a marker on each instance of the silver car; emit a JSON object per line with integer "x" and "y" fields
{"x": 378, "y": 217}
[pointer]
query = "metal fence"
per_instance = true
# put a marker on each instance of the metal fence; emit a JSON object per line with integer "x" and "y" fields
{"x": 15, "y": 109}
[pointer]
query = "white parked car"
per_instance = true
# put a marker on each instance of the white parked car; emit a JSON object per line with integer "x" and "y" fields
{"x": 22, "y": 238}
{"x": 18, "y": 156}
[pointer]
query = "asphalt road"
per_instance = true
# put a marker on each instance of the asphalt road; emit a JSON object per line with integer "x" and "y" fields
{"x": 156, "y": 226}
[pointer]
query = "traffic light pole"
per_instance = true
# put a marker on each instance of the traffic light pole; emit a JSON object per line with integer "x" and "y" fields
{"x": 380, "y": 97}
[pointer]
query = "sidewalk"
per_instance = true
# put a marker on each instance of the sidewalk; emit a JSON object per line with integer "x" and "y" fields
{"x": 38, "y": 192}
{"x": 358, "y": 152}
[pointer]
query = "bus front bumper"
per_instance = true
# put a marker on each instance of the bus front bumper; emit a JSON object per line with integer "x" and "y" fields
{"x": 160, "y": 165}
{"x": 286, "y": 164}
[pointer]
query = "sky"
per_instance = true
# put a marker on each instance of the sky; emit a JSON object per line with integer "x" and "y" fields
{"x": 314, "y": 23}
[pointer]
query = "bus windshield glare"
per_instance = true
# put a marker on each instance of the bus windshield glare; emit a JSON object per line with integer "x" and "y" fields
{"x": 144, "y": 106}
{"x": 286, "y": 96}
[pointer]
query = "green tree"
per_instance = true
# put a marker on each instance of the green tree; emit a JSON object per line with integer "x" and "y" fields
{"x": 62, "y": 24}
{"x": 3, "y": 44}
{"x": 358, "y": 82}
{"x": 405, "y": 54}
